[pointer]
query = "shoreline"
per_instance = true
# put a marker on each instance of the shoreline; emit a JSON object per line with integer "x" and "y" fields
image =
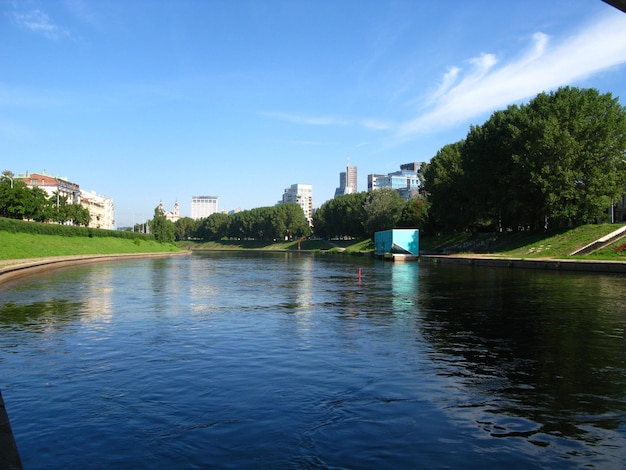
{"x": 15, "y": 268}
{"x": 552, "y": 264}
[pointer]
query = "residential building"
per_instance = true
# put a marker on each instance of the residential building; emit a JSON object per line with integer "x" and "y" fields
{"x": 301, "y": 194}
{"x": 57, "y": 186}
{"x": 203, "y": 206}
{"x": 347, "y": 181}
{"x": 101, "y": 210}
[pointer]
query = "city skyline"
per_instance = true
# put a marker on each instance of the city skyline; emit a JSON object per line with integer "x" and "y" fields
{"x": 157, "y": 101}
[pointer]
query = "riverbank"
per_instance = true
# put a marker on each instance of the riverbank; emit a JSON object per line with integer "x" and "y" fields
{"x": 10, "y": 269}
{"x": 580, "y": 265}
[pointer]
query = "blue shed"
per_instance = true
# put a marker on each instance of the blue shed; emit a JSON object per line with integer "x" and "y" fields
{"x": 399, "y": 241}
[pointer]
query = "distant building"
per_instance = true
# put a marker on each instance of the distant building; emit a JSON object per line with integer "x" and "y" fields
{"x": 372, "y": 181}
{"x": 58, "y": 186}
{"x": 405, "y": 181}
{"x": 347, "y": 181}
{"x": 101, "y": 210}
{"x": 203, "y": 206}
{"x": 301, "y": 194}
{"x": 172, "y": 215}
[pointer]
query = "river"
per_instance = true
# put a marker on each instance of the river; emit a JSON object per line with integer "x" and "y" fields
{"x": 286, "y": 360}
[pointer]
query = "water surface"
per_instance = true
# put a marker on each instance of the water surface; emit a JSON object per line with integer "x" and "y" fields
{"x": 260, "y": 360}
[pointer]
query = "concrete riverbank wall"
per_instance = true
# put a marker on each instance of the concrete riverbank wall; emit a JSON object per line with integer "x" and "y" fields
{"x": 529, "y": 263}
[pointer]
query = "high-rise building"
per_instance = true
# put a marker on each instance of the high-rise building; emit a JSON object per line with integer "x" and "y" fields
{"x": 347, "y": 181}
{"x": 301, "y": 194}
{"x": 203, "y": 206}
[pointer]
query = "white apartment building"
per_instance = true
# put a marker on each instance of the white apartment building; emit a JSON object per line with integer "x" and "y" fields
{"x": 301, "y": 194}
{"x": 203, "y": 206}
{"x": 101, "y": 210}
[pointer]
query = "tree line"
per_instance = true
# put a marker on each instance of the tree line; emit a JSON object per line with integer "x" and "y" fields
{"x": 558, "y": 161}
{"x": 18, "y": 201}
{"x": 280, "y": 222}
{"x": 350, "y": 215}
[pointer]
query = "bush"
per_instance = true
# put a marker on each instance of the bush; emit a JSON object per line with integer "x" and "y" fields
{"x": 21, "y": 226}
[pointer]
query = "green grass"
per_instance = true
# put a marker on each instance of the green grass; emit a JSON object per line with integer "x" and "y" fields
{"x": 26, "y": 245}
{"x": 557, "y": 244}
{"x": 551, "y": 244}
{"x": 308, "y": 245}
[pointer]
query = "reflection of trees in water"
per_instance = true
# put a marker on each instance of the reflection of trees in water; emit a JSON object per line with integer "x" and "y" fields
{"x": 39, "y": 316}
{"x": 545, "y": 346}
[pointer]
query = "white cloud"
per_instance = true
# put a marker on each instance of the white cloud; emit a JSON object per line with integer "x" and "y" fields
{"x": 307, "y": 120}
{"x": 40, "y": 23}
{"x": 376, "y": 124}
{"x": 489, "y": 85}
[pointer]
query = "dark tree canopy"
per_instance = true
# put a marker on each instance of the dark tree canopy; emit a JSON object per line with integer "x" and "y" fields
{"x": 557, "y": 161}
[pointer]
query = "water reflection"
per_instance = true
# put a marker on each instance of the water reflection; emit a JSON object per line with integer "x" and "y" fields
{"x": 291, "y": 360}
{"x": 540, "y": 355}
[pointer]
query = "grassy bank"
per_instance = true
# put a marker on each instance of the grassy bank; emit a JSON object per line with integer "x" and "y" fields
{"x": 558, "y": 244}
{"x": 347, "y": 246}
{"x": 27, "y": 245}
{"x": 550, "y": 244}
{"x": 555, "y": 244}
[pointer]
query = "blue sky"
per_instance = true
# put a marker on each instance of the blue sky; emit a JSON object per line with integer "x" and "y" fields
{"x": 148, "y": 101}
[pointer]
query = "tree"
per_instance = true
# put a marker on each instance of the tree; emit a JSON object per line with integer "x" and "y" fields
{"x": 213, "y": 227}
{"x": 446, "y": 189}
{"x": 489, "y": 164}
{"x": 184, "y": 228}
{"x": 574, "y": 153}
{"x": 161, "y": 228}
{"x": 341, "y": 216}
{"x": 383, "y": 209}
{"x": 414, "y": 214}
{"x": 288, "y": 221}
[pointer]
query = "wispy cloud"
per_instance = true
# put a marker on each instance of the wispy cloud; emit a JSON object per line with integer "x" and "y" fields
{"x": 39, "y": 22}
{"x": 313, "y": 143}
{"x": 307, "y": 120}
{"x": 367, "y": 123}
{"x": 487, "y": 84}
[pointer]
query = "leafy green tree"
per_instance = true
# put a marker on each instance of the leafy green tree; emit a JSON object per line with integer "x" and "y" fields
{"x": 77, "y": 214}
{"x": 162, "y": 229}
{"x": 291, "y": 220}
{"x": 446, "y": 186}
{"x": 498, "y": 185}
{"x": 341, "y": 216}
{"x": 185, "y": 228}
{"x": 574, "y": 154}
{"x": 383, "y": 209}
{"x": 414, "y": 214}
{"x": 13, "y": 197}
{"x": 39, "y": 206}
{"x": 213, "y": 227}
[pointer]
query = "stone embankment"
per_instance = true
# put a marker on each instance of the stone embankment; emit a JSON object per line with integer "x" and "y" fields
{"x": 10, "y": 269}
{"x": 597, "y": 266}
